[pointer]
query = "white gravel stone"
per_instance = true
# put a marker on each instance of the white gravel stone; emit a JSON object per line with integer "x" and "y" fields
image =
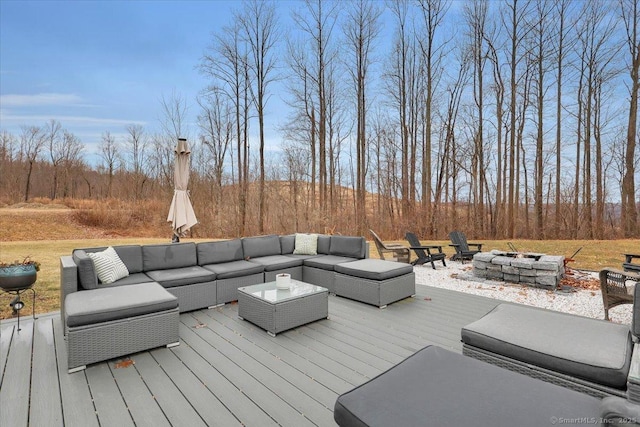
{"x": 459, "y": 277}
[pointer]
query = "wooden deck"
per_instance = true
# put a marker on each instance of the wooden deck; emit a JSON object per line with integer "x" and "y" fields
{"x": 225, "y": 371}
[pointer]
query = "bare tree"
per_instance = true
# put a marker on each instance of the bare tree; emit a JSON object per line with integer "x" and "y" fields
{"x": 361, "y": 29}
{"x": 630, "y": 13}
{"x": 53, "y": 134}
{"x": 259, "y": 24}
{"x": 137, "y": 151}
{"x": 173, "y": 120}
{"x": 226, "y": 63}
{"x": 71, "y": 155}
{"x": 32, "y": 140}
{"x": 110, "y": 155}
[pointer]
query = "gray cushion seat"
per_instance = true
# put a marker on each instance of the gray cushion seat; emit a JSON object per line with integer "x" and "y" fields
{"x": 277, "y": 262}
{"x": 436, "y": 387}
{"x": 131, "y": 279}
{"x": 327, "y": 262}
{"x": 182, "y": 276}
{"x": 590, "y": 349}
{"x": 114, "y": 303}
{"x": 229, "y": 270}
{"x": 374, "y": 269}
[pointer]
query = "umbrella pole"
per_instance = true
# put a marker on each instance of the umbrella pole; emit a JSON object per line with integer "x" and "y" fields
{"x": 175, "y": 238}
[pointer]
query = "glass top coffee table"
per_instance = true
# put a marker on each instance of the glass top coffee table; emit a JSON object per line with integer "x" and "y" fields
{"x": 277, "y": 310}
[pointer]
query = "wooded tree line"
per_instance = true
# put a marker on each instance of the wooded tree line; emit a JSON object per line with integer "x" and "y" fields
{"x": 504, "y": 119}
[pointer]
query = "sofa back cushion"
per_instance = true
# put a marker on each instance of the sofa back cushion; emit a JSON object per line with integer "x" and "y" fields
{"x": 287, "y": 244}
{"x": 255, "y": 247}
{"x": 217, "y": 252}
{"x": 87, "y": 276}
{"x": 324, "y": 243}
{"x": 169, "y": 255}
{"x": 347, "y": 246}
{"x": 131, "y": 255}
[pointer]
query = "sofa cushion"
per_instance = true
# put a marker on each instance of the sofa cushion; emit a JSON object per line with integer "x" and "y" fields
{"x": 254, "y": 247}
{"x": 591, "y": 349}
{"x": 306, "y": 244}
{"x": 217, "y": 252}
{"x": 324, "y": 243}
{"x": 229, "y": 270}
{"x": 87, "y": 276}
{"x": 182, "y": 276}
{"x": 374, "y": 269}
{"x": 326, "y": 262}
{"x": 287, "y": 244}
{"x": 277, "y": 262}
{"x": 438, "y": 387}
{"x": 131, "y": 279}
{"x": 169, "y": 255}
{"x": 131, "y": 255}
{"x": 114, "y": 303}
{"x": 303, "y": 257}
{"x": 109, "y": 267}
{"x": 352, "y": 247}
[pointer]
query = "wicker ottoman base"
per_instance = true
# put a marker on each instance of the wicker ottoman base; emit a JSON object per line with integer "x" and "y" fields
{"x": 96, "y": 343}
{"x": 376, "y": 292}
{"x": 275, "y": 315}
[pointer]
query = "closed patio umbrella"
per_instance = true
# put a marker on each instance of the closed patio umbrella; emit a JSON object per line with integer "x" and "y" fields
{"x": 181, "y": 214}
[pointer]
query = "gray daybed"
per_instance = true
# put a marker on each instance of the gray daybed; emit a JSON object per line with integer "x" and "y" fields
{"x": 436, "y": 387}
{"x": 588, "y": 355}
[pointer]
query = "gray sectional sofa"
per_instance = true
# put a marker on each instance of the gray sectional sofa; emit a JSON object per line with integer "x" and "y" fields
{"x": 167, "y": 279}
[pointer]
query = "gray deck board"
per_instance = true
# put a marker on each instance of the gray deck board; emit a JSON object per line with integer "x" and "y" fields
{"x": 226, "y": 371}
{"x": 77, "y": 402}
{"x": 141, "y": 403}
{"x": 6, "y": 334}
{"x": 111, "y": 409}
{"x": 14, "y": 393}
{"x": 45, "y": 407}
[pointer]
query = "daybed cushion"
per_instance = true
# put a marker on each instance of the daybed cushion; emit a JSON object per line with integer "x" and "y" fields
{"x": 352, "y": 247}
{"x": 113, "y": 303}
{"x": 170, "y": 255}
{"x": 276, "y": 262}
{"x": 229, "y": 270}
{"x": 591, "y": 349}
{"x": 182, "y": 276}
{"x": 217, "y": 252}
{"x": 374, "y": 269}
{"x": 436, "y": 387}
{"x": 327, "y": 262}
{"x": 254, "y": 247}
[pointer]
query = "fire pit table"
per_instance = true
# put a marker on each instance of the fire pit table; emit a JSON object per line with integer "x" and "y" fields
{"x": 533, "y": 269}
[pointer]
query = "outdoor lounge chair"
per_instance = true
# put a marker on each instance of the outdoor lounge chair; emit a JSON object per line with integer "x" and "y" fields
{"x": 629, "y": 265}
{"x": 400, "y": 253}
{"x": 460, "y": 244}
{"x": 424, "y": 252}
{"x": 617, "y": 288}
{"x": 587, "y": 355}
{"x": 436, "y": 387}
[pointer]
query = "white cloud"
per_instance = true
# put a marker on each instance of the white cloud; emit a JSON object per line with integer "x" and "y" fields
{"x": 39, "y": 99}
{"x": 7, "y": 119}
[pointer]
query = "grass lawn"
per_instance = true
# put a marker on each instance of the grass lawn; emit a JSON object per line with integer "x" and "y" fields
{"x": 594, "y": 256}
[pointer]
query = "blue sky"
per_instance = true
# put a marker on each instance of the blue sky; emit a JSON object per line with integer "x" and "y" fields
{"x": 98, "y": 66}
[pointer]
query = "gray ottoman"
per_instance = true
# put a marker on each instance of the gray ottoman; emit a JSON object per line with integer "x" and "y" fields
{"x": 106, "y": 323}
{"x": 375, "y": 281}
{"x": 436, "y": 387}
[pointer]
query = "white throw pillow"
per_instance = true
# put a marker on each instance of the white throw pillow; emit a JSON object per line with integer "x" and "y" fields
{"x": 306, "y": 244}
{"x": 109, "y": 266}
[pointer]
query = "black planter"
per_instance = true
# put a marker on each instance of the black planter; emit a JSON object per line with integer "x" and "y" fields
{"x": 17, "y": 277}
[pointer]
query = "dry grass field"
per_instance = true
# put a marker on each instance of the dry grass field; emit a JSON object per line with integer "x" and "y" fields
{"x": 45, "y": 232}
